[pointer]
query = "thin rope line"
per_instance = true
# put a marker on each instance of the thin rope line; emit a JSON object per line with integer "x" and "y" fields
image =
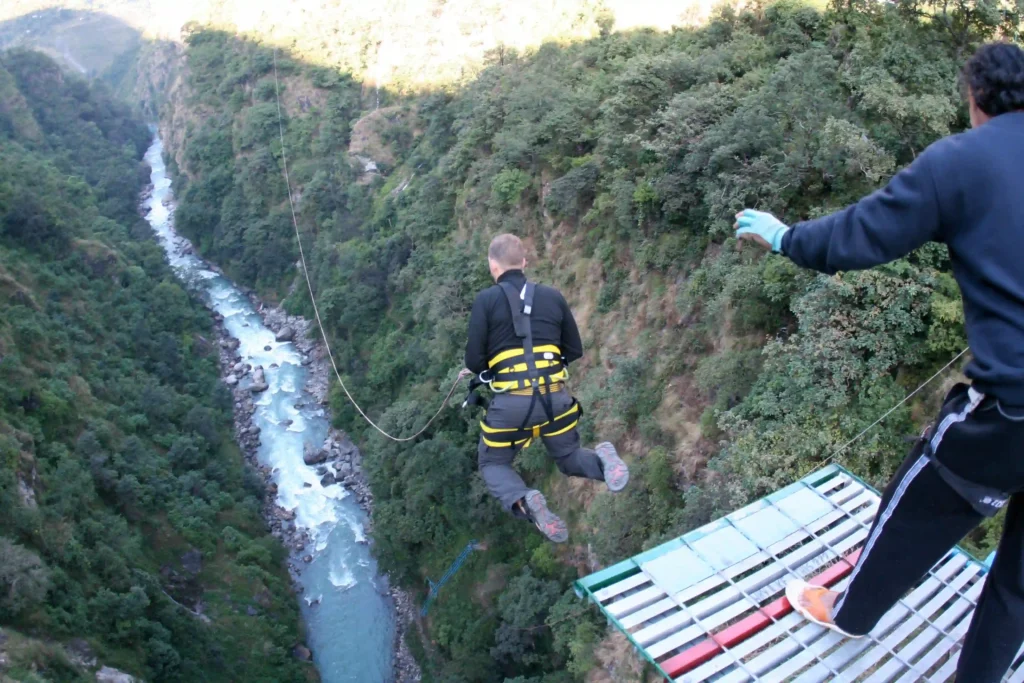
{"x": 895, "y": 407}
{"x": 312, "y": 298}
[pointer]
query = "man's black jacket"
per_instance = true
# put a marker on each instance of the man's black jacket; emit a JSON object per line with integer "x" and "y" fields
{"x": 491, "y": 330}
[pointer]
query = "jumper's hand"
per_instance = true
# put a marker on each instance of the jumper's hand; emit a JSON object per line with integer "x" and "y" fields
{"x": 761, "y": 228}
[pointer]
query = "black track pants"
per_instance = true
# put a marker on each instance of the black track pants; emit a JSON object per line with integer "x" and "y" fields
{"x": 921, "y": 517}
{"x": 508, "y": 411}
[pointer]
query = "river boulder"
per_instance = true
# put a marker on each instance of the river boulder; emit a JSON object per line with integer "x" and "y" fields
{"x": 302, "y": 653}
{"x": 311, "y": 455}
{"x": 286, "y": 334}
{"x": 259, "y": 380}
{"x": 328, "y": 480}
{"x": 231, "y": 380}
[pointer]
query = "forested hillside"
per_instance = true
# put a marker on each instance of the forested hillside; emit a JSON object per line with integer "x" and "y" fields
{"x": 129, "y": 527}
{"x": 723, "y": 374}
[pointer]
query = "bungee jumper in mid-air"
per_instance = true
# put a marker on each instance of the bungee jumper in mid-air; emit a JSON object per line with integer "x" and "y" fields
{"x": 966, "y": 191}
{"x": 522, "y": 338}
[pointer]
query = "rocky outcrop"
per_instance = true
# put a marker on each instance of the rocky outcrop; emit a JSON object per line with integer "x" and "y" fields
{"x": 80, "y": 653}
{"x": 192, "y": 562}
{"x": 286, "y": 334}
{"x": 111, "y": 675}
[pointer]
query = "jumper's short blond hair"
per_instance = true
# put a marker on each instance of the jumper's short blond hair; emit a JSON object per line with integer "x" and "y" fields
{"x": 507, "y": 250}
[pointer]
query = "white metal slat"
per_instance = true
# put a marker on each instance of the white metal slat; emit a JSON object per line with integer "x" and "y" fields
{"x": 858, "y": 656}
{"x": 717, "y": 615}
{"x": 781, "y": 652}
{"x": 854, "y": 648}
{"x": 609, "y": 592}
{"x": 647, "y": 613}
{"x": 837, "y": 536}
{"x": 631, "y": 621}
{"x": 753, "y": 643}
{"x": 778, "y": 629}
{"x": 933, "y": 655}
{"x": 634, "y": 602}
{"x": 756, "y": 581}
{"x": 717, "y": 618}
{"x": 791, "y": 654}
{"x": 931, "y": 637}
{"x": 1018, "y": 675}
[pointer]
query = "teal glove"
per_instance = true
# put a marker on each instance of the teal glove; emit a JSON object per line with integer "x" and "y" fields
{"x": 763, "y": 225}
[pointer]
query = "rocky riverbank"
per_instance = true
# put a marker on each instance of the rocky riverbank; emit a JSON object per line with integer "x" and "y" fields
{"x": 338, "y": 460}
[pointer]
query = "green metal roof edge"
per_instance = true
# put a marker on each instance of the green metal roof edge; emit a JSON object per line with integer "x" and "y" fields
{"x": 629, "y": 636}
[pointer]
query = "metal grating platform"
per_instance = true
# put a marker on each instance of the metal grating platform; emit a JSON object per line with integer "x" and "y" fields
{"x": 709, "y": 606}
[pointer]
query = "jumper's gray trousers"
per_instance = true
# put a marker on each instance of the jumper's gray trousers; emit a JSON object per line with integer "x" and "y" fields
{"x": 507, "y": 411}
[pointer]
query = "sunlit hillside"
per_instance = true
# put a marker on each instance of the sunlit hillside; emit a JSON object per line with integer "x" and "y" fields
{"x": 401, "y": 44}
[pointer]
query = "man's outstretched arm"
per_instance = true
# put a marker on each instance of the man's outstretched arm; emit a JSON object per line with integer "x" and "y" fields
{"x": 884, "y": 226}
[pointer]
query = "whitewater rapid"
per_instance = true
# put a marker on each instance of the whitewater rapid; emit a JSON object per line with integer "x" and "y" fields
{"x": 348, "y": 614}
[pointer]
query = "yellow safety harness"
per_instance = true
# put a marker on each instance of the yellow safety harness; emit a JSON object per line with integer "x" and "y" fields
{"x": 521, "y": 438}
{"x": 534, "y": 371}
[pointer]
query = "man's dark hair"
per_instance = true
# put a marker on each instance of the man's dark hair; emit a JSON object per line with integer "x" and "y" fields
{"x": 995, "y": 78}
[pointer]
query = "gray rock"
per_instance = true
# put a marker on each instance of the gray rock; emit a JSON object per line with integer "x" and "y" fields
{"x": 322, "y": 470}
{"x": 286, "y": 334}
{"x": 111, "y": 675}
{"x": 231, "y": 380}
{"x": 287, "y": 515}
{"x": 259, "y": 380}
{"x": 240, "y": 368}
{"x": 192, "y": 561}
{"x": 268, "y": 347}
{"x": 313, "y": 456}
{"x": 27, "y": 493}
{"x": 307, "y": 559}
{"x": 254, "y": 430}
{"x": 274, "y": 365}
{"x": 80, "y": 653}
{"x": 302, "y": 653}
{"x": 328, "y": 480}
{"x": 288, "y": 423}
{"x": 306, "y": 485}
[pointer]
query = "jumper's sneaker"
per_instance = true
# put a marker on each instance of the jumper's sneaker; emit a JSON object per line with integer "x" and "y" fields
{"x": 616, "y": 473}
{"x": 809, "y": 601}
{"x": 548, "y": 522}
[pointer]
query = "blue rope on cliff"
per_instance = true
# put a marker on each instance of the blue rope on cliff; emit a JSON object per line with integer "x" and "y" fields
{"x": 435, "y": 588}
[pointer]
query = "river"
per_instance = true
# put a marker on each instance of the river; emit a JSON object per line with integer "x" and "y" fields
{"x": 351, "y": 630}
